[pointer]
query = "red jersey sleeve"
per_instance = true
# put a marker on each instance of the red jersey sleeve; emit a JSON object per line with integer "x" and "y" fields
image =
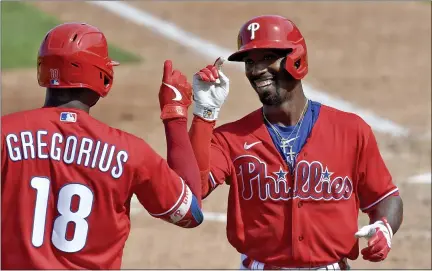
{"x": 163, "y": 193}
{"x": 375, "y": 181}
{"x": 213, "y": 162}
{"x": 221, "y": 167}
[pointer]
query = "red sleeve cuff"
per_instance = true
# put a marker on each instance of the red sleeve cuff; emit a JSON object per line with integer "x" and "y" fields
{"x": 394, "y": 192}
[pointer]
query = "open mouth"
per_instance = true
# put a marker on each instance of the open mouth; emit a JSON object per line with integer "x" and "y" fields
{"x": 262, "y": 83}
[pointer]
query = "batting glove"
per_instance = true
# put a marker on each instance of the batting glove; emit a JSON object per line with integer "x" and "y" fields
{"x": 379, "y": 235}
{"x": 211, "y": 88}
{"x": 175, "y": 93}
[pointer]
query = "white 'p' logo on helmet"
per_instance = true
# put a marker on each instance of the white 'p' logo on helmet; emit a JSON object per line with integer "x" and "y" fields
{"x": 252, "y": 28}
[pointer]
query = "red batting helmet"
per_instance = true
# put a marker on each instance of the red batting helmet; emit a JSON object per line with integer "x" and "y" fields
{"x": 75, "y": 55}
{"x": 274, "y": 32}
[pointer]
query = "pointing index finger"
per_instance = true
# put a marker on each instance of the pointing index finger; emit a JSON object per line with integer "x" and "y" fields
{"x": 167, "y": 70}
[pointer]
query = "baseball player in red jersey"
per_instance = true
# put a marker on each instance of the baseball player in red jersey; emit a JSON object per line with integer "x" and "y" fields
{"x": 299, "y": 171}
{"x": 67, "y": 178}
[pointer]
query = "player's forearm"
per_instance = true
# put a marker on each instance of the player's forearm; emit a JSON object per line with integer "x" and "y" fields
{"x": 180, "y": 155}
{"x": 391, "y": 208}
{"x": 200, "y": 135}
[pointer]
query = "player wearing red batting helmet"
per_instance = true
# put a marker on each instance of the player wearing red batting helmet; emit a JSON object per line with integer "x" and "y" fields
{"x": 67, "y": 178}
{"x": 80, "y": 52}
{"x": 278, "y": 34}
{"x": 299, "y": 171}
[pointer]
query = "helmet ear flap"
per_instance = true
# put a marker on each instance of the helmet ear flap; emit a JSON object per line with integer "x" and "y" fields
{"x": 106, "y": 83}
{"x": 296, "y": 62}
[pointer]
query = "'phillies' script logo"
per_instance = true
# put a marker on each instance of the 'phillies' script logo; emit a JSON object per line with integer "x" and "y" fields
{"x": 311, "y": 181}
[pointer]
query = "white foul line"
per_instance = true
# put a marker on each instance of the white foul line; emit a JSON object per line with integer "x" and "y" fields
{"x": 425, "y": 178}
{"x": 173, "y": 32}
{"x": 211, "y": 216}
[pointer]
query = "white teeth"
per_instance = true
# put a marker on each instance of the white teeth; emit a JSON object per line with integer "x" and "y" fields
{"x": 263, "y": 83}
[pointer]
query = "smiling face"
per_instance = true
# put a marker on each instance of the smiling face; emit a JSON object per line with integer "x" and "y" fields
{"x": 265, "y": 69}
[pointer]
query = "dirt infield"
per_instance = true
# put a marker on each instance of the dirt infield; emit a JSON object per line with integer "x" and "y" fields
{"x": 375, "y": 55}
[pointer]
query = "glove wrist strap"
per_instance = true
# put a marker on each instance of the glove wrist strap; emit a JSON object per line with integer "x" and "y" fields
{"x": 387, "y": 225}
{"x": 207, "y": 113}
{"x": 173, "y": 111}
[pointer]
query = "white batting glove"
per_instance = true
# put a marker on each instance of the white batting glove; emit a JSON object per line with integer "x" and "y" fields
{"x": 379, "y": 235}
{"x": 211, "y": 87}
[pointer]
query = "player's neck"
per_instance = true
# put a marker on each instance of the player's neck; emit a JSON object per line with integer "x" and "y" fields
{"x": 289, "y": 112}
{"x": 72, "y": 104}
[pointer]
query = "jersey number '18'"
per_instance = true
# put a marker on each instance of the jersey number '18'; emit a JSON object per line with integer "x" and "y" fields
{"x": 64, "y": 205}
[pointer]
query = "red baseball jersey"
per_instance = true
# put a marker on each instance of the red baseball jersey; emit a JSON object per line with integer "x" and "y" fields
{"x": 67, "y": 182}
{"x": 305, "y": 217}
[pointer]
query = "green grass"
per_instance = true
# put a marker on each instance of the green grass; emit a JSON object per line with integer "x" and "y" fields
{"x": 23, "y": 28}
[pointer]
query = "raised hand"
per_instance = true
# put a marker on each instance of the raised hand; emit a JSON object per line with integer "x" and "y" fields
{"x": 175, "y": 93}
{"x": 211, "y": 88}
